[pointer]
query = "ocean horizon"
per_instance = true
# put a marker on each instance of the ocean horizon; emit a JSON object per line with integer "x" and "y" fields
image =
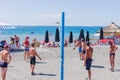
{"x": 39, "y": 31}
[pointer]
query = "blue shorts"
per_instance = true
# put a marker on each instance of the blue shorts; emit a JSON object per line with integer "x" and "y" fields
{"x": 80, "y": 49}
{"x": 27, "y": 49}
{"x": 88, "y": 63}
{"x": 3, "y": 64}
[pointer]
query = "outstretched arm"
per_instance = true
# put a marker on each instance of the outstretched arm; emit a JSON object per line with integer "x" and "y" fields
{"x": 23, "y": 44}
{"x": 1, "y": 52}
{"x": 76, "y": 44}
{"x": 116, "y": 48}
{"x": 85, "y": 57}
{"x": 38, "y": 56}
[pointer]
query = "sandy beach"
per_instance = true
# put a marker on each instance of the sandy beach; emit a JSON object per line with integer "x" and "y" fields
{"x": 49, "y": 67}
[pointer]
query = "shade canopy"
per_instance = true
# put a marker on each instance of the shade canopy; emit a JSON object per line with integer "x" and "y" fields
{"x": 112, "y": 28}
{"x": 81, "y": 35}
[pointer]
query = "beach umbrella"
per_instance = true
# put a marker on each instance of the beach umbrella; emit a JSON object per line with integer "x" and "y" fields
{"x": 101, "y": 34}
{"x": 57, "y": 36}
{"x": 87, "y": 36}
{"x": 112, "y": 28}
{"x": 81, "y": 35}
{"x": 71, "y": 37}
{"x": 46, "y": 37}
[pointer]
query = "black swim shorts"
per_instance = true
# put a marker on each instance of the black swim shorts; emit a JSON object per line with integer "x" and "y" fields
{"x": 88, "y": 63}
{"x": 3, "y": 64}
{"x": 32, "y": 60}
{"x": 112, "y": 54}
{"x": 84, "y": 52}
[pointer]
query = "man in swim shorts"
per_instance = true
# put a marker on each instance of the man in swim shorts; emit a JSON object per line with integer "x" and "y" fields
{"x": 17, "y": 41}
{"x": 33, "y": 54}
{"x": 83, "y": 48}
{"x": 5, "y": 59}
{"x": 79, "y": 48}
{"x": 88, "y": 59}
{"x": 79, "y": 45}
{"x": 80, "y": 52}
{"x": 113, "y": 48}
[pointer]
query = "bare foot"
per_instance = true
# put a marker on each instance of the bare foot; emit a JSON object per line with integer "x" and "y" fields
{"x": 110, "y": 69}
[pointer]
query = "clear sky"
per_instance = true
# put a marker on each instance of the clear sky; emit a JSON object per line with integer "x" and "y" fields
{"x": 47, "y": 12}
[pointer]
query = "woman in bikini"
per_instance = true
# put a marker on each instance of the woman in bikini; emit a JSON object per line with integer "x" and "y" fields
{"x": 26, "y": 44}
{"x": 113, "y": 48}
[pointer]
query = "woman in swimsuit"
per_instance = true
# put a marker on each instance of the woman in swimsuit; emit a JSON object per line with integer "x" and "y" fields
{"x": 26, "y": 44}
{"x": 113, "y": 48}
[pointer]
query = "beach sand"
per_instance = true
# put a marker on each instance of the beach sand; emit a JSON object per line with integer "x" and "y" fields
{"x": 49, "y": 67}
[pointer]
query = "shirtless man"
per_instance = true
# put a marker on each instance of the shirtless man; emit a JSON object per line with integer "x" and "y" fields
{"x": 33, "y": 54}
{"x": 88, "y": 59}
{"x": 5, "y": 59}
{"x": 113, "y": 48}
{"x": 80, "y": 49}
{"x": 79, "y": 45}
{"x": 17, "y": 41}
{"x": 83, "y": 48}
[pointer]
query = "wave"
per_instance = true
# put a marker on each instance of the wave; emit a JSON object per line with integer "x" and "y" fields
{"x": 12, "y": 27}
{"x": 6, "y": 27}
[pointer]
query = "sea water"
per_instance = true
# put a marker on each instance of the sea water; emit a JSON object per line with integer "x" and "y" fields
{"x": 39, "y": 32}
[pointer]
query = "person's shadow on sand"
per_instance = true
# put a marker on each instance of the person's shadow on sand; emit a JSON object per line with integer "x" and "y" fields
{"x": 96, "y": 66}
{"x": 43, "y": 74}
{"x": 116, "y": 70}
{"x": 41, "y": 62}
